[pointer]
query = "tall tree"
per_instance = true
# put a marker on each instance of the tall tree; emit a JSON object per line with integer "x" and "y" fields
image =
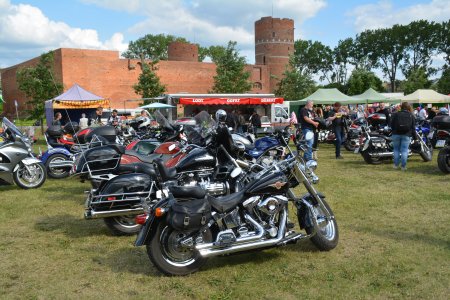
{"x": 312, "y": 58}
{"x": 421, "y": 43}
{"x": 153, "y": 47}
{"x": 388, "y": 48}
{"x": 360, "y": 80}
{"x": 231, "y": 76}
{"x": 295, "y": 86}
{"x": 149, "y": 85}
{"x": 443, "y": 85}
{"x": 359, "y": 49}
{"x": 39, "y": 84}
{"x": 443, "y": 42}
{"x": 417, "y": 79}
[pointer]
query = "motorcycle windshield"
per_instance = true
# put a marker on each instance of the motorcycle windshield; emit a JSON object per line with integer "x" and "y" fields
{"x": 204, "y": 123}
{"x": 162, "y": 121}
{"x": 7, "y": 124}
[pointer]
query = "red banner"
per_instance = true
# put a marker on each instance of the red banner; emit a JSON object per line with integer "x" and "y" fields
{"x": 230, "y": 101}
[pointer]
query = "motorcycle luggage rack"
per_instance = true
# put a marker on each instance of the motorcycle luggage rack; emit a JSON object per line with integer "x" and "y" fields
{"x": 147, "y": 195}
{"x": 87, "y": 168}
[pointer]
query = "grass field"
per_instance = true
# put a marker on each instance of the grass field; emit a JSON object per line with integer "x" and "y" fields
{"x": 394, "y": 243}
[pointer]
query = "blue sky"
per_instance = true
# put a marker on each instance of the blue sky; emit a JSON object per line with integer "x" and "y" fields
{"x": 30, "y": 27}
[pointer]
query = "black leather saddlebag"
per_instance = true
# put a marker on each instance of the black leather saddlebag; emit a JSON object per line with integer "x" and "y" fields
{"x": 189, "y": 215}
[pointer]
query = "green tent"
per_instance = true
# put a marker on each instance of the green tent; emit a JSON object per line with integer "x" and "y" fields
{"x": 426, "y": 96}
{"x": 324, "y": 96}
{"x": 372, "y": 96}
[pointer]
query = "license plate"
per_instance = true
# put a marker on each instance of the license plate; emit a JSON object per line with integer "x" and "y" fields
{"x": 440, "y": 144}
{"x": 357, "y": 150}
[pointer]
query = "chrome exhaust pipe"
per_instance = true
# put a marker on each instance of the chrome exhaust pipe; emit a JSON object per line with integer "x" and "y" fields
{"x": 92, "y": 214}
{"x": 383, "y": 154}
{"x": 208, "y": 252}
{"x": 61, "y": 164}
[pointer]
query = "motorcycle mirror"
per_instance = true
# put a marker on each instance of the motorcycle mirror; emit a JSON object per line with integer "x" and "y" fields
{"x": 309, "y": 135}
{"x": 236, "y": 172}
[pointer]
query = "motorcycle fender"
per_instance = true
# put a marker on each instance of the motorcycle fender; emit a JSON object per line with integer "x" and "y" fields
{"x": 304, "y": 214}
{"x": 366, "y": 145}
{"x": 149, "y": 228}
{"x": 27, "y": 162}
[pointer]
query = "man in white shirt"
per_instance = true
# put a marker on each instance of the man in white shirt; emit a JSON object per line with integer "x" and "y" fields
{"x": 423, "y": 115}
{"x": 83, "y": 121}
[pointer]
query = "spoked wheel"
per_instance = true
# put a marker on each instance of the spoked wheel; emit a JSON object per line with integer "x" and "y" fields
{"x": 30, "y": 177}
{"x": 56, "y": 173}
{"x": 327, "y": 235}
{"x": 427, "y": 152}
{"x": 122, "y": 225}
{"x": 170, "y": 256}
{"x": 348, "y": 146}
{"x": 444, "y": 160}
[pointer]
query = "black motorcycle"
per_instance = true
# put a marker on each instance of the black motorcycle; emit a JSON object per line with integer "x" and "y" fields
{"x": 441, "y": 140}
{"x": 185, "y": 228}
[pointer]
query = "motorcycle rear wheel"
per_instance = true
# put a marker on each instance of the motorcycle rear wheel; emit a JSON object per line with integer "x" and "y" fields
{"x": 25, "y": 180}
{"x": 169, "y": 257}
{"x": 443, "y": 160}
{"x": 348, "y": 146}
{"x": 122, "y": 225}
{"x": 327, "y": 237}
{"x": 54, "y": 172}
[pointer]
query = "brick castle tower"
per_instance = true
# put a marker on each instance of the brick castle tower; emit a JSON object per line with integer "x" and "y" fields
{"x": 180, "y": 51}
{"x": 274, "y": 42}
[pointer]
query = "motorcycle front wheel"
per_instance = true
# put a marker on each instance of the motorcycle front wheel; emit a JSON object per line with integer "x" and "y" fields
{"x": 30, "y": 178}
{"x": 169, "y": 256}
{"x": 443, "y": 160}
{"x": 369, "y": 159}
{"x": 327, "y": 235}
{"x": 427, "y": 152}
{"x": 348, "y": 146}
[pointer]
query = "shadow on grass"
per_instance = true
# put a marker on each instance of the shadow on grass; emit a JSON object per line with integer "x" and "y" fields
{"x": 130, "y": 260}
{"x": 71, "y": 226}
{"x": 405, "y": 236}
{"x": 6, "y": 188}
{"x": 427, "y": 168}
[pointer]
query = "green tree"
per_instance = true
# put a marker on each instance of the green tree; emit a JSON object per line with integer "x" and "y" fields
{"x": 443, "y": 42}
{"x": 417, "y": 79}
{"x": 295, "y": 86}
{"x": 360, "y": 80}
{"x": 421, "y": 43}
{"x": 311, "y": 58}
{"x": 443, "y": 85}
{"x": 38, "y": 84}
{"x": 149, "y": 85}
{"x": 153, "y": 47}
{"x": 387, "y": 47}
{"x": 231, "y": 76}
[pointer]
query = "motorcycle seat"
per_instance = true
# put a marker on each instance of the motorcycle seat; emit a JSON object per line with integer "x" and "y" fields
{"x": 137, "y": 168}
{"x": 188, "y": 192}
{"x": 226, "y": 203}
{"x": 143, "y": 158}
{"x": 166, "y": 173}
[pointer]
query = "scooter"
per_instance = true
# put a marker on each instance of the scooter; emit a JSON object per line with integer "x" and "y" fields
{"x": 17, "y": 163}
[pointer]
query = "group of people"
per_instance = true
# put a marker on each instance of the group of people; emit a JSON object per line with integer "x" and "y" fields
{"x": 239, "y": 122}
{"x": 401, "y": 118}
{"x": 96, "y": 119}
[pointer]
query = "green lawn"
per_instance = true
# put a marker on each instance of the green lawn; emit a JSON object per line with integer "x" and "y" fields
{"x": 394, "y": 243}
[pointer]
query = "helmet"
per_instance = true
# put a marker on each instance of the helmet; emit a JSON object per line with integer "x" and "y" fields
{"x": 221, "y": 115}
{"x": 443, "y": 111}
{"x": 145, "y": 121}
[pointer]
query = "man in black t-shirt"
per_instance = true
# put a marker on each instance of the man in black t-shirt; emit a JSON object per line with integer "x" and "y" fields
{"x": 384, "y": 110}
{"x": 308, "y": 125}
{"x": 335, "y": 116}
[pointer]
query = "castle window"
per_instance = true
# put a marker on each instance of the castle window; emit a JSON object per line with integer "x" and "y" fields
{"x": 264, "y": 60}
{"x": 273, "y": 34}
{"x": 257, "y": 85}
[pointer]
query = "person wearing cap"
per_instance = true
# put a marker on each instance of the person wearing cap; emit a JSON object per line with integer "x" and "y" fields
{"x": 338, "y": 126}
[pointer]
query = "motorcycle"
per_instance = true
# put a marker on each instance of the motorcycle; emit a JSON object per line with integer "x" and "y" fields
{"x": 17, "y": 163}
{"x": 353, "y": 134}
{"x": 187, "y": 226}
{"x": 440, "y": 137}
{"x": 377, "y": 146}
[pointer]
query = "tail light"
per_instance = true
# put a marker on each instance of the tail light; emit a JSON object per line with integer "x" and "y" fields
{"x": 128, "y": 159}
{"x": 131, "y": 145}
{"x": 111, "y": 198}
{"x": 443, "y": 133}
{"x": 84, "y": 132}
{"x": 140, "y": 219}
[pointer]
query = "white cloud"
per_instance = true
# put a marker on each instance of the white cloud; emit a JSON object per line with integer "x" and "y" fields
{"x": 25, "y": 32}
{"x": 384, "y": 14}
{"x": 211, "y": 22}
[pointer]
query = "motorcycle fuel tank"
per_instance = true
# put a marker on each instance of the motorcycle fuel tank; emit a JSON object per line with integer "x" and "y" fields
{"x": 196, "y": 159}
{"x": 269, "y": 183}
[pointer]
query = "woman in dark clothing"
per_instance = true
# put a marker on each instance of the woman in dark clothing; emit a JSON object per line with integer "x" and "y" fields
{"x": 57, "y": 119}
{"x": 403, "y": 124}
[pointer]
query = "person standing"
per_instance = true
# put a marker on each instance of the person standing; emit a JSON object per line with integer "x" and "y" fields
{"x": 423, "y": 115}
{"x": 403, "y": 124}
{"x": 337, "y": 124}
{"x": 384, "y": 110}
{"x": 57, "y": 119}
{"x": 97, "y": 117}
{"x": 255, "y": 120}
{"x": 113, "y": 119}
{"x": 83, "y": 121}
{"x": 308, "y": 125}
{"x": 241, "y": 122}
